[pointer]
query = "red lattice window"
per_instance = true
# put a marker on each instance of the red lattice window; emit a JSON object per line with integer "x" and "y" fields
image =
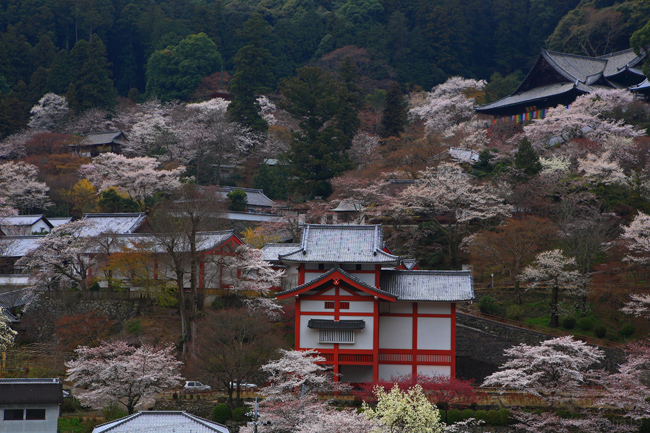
{"x": 329, "y": 305}
{"x": 344, "y": 306}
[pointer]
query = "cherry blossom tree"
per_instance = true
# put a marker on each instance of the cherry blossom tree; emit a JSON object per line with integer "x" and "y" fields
{"x": 331, "y": 420}
{"x": 557, "y": 371}
{"x": 448, "y": 104}
{"x": 248, "y": 271}
{"x": 637, "y": 238}
{"x": 149, "y": 127}
{"x": 448, "y": 191}
{"x": 584, "y": 118}
{"x": 601, "y": 169}
{"x": 20, "y": 187}
{"x": 48, "y": 114}
{"x": 7, "y": 334}
{"x": 139, "y": 177}
{"x": 552, "y": 268}
{"x": 291, "y": 399}
{"x": 638, "y": 305}
{"x": 405, "y": 411}
{"x": 61, "y": 260}
{"x": 115, "y": 372}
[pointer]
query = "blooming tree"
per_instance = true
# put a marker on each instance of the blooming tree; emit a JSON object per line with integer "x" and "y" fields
{"x": 117, "y": 372}
{"x": 552, "y": 268}
{"x": 61, "y": 259}
{"x": 7, "y": 334}
{"x": 20, "y": 187}
{"x": 555, "y": 370}
{"x": 601, "y": 169}
{"x": 330, "y": 420}
{"x": 248, "y": 271}
{"x": 637, "y": 237}
{"x": 49, "y": 112}
{"x": 448, "y": 191}
{"x": 638, "y": 305}
{"x": 584, "y": 118}
{"x": 405, "y": 411}
{"x": 448, "y": 104}
{"x": 139, "y": 177}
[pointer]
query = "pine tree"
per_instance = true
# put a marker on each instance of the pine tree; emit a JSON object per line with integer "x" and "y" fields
{"x": 394, "y": 117}
{"x": 526, "y": 159}
{"x": 92, "y": 74}
{"x": 253, "y": 75}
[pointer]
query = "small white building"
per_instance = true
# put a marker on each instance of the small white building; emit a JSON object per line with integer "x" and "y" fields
{"x": 30, "y": 405}
{"x": 25, "y": 225}
{"x": 161, "y": 422}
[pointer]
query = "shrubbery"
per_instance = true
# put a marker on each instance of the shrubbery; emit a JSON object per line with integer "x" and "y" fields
{"x": 221, "y": 413}
{"x": 585, "y": 323}
{"x": 569, "y": 322}
{"x": 600, "y": 331}
{"x": 627, "y": 329}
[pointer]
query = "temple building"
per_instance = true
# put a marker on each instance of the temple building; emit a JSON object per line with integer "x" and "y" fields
{"x": 559, "y": 78}
{"x": 359, "y": 306}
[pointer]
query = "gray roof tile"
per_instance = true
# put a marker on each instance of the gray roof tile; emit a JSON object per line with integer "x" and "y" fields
{"x": 534, "y": 94}
{"x": 106, "y": 137}
{"x": 341, "y": 244}
{"x": 18, "y": 246}
{"x": 161, "y": 422}
{"x": 619, "y": 60}
{"x": 443, "y": 286}
{"x": 271, "y": 252}
{"x": 119, "y": 223}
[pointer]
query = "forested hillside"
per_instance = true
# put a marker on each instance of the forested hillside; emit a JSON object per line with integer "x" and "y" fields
{"x": 92, "y": 50}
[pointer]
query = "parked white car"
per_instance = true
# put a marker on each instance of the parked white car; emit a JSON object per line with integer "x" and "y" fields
{"x": 196, "y": 386}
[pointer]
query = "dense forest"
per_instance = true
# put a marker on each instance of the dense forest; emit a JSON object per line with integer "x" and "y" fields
{"x": 93, "y": 50}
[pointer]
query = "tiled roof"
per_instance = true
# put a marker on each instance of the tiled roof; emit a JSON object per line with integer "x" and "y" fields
{"x": 16, "y": 298}
{"x": 325, "y": 275}
{"x": 428, "y": 285}
{"x": 30, "y": 391}
{"x": 59, "y": 221}
{"x": 119, "y": 223}
{"x": 645, "y": 85}
{"x": 205, "y": 241}
{"x": 255, "y": 197}
{"x": 464, "y": 155}
{"x": 348, "y": 205}
{"x": 21, "y": 220}
{"x": 99, "y": 138}
{"x": 535, "y": 94}
{"x": 620, "y": 60}
{"x": 18, "y": 246}
{"x": 161, "y": 422}
{"x": 341, "y": 244}
{"x": 576, "y": 67}
{"x": 270, "y": 252}
{"x": 336, "y": 324}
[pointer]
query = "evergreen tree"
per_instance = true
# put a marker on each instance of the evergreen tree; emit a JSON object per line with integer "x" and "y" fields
{"x": 394, "y": 118}
{"x": 253, "y": 75}
{"x": 238, "y": 200}
{"x": 59, "y": 75}
{"x": 318, "y": 151}
{"x": 526, "y": 159}
{"x": 92, "y": 75}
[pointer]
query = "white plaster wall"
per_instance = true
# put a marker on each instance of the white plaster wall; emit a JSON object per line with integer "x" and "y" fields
{"x": 434, "y": 308}
{"x": 387, "y": 371}
{"x": 434, "y": 370}
{"x": 363, "y": 338}
{"x": 360, "y": 307}
{"x": 309, "y": 337}
{"x": 356, "y": 373}
{"x": 434, "y": 333}
{"x": 38, "y": 226}
{"x": 395, "y": 332}
{"x": 48, "y": 425}
{"x": 309, "y": 276}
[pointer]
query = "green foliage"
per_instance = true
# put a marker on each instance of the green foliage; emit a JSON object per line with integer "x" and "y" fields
{"x": 504, "y": 416}
{"x": 133, "y": 326}
{"x": 394, "y": 119}
{"x": 175, "y": 72}
{"x": 111, "y": 202}
{"x": 489, "y": 305}
{"x": 514, "y": 312}
{"x": 526, "y": 159}
{"x": 569, "y": 322}
{"x": 75, "y": 425}
{"x": 600, "y": 331}
{"x": 238, "y": 200}
{"x": 481, "y": 415}
{"x": 221, "y": 413}
{"x": 500, "y": 86}
{"x": 585, "y": 323}
{"x": 323, "y": 107}
{"x": 91, "y": 76}
{"x": 493, "y": 418}
{"x": 627, "y": 330}
{"x": 114, "y": 411}
{"x": 645, "y": 426}
{"x": 238, "y": 413}
{"x": 273, "y": 180}
{"x": 467, "y": 414}
{"x": 454, "y": 416}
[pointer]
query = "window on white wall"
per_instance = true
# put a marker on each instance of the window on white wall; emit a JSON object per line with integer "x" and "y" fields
{"x": 344, "y": 336}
